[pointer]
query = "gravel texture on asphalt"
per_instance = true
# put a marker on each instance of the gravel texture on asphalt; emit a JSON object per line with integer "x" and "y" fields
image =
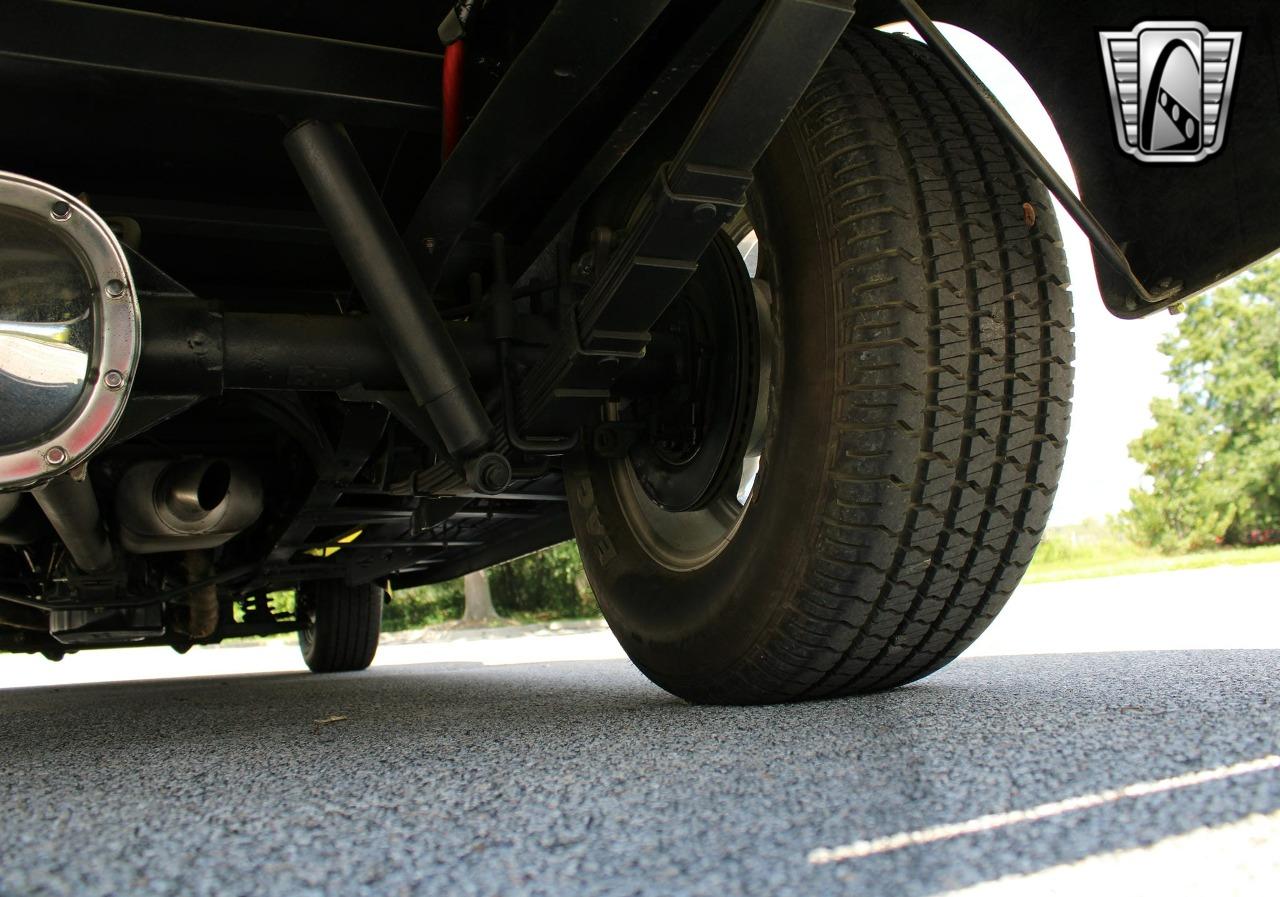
{"x": 582, "y": 778}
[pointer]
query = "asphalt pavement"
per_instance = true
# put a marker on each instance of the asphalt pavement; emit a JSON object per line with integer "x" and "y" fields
{"x": 540, "y": 763}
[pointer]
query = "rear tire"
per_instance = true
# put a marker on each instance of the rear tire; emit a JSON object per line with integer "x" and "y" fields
{"x": 340, "y": 625}
{"x": 918, "y": 407}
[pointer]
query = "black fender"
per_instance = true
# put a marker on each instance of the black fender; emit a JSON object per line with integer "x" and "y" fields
{"x": 1191, "y": 223}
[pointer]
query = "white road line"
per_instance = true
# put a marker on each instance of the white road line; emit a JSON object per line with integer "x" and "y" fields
{"x": 859, "y": 849}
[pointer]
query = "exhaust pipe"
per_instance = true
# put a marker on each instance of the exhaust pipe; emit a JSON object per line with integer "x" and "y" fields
{"x": 69, "y": 503}
{"x": 186, "y": 505}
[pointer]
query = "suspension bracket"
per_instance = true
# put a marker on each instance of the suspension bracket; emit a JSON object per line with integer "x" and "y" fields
{"x": 689, "y": 200}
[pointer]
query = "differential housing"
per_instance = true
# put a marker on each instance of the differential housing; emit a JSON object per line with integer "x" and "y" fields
{"x": 69, "y": 331}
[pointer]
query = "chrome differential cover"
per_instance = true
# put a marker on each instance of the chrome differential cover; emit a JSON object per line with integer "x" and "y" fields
{"x": 69, "y": 331}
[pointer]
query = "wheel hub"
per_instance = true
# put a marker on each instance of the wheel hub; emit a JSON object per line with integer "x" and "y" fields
{"x": 697, "y": 431}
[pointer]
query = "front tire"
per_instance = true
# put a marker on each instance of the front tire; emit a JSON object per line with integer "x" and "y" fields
{"x": 918, "y": 406}
{"x": 340, "y": 625}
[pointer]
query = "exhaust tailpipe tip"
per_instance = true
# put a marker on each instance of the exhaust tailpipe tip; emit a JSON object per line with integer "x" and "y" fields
{"x": 186, "y": 505}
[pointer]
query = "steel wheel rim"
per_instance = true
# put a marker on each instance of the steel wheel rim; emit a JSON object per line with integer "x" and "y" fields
{"x": 688, "y": 540}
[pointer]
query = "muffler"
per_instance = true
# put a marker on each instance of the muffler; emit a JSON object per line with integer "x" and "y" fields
{"x": 69, "y": 332}
{"x": 186, "y": 505}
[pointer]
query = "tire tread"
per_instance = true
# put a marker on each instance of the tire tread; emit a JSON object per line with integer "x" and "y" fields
{"x": 347, "y": 624}
{"x": 982, "y": 365}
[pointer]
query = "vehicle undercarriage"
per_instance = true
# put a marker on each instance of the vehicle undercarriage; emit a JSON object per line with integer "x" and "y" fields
{"x": 311, "y": 297}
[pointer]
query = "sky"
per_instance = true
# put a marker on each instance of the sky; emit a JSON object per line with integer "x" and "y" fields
{"x": 1118, "y": 368}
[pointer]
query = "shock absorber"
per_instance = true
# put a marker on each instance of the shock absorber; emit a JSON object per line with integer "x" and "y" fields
{"x": 453, "y": 32}
{"x": 404, "y": 307}
{"x": 451, "y": 97}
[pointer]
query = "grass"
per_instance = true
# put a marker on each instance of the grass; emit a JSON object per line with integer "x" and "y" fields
{"x": 1093, "y": 550}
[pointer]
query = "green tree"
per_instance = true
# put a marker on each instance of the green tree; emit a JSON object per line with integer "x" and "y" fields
{"x": 1213, "y": 456}
{"x": 548, "y": 583}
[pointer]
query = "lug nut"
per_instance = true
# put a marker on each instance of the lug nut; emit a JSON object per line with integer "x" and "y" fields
{"x": 113, "y": 379}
